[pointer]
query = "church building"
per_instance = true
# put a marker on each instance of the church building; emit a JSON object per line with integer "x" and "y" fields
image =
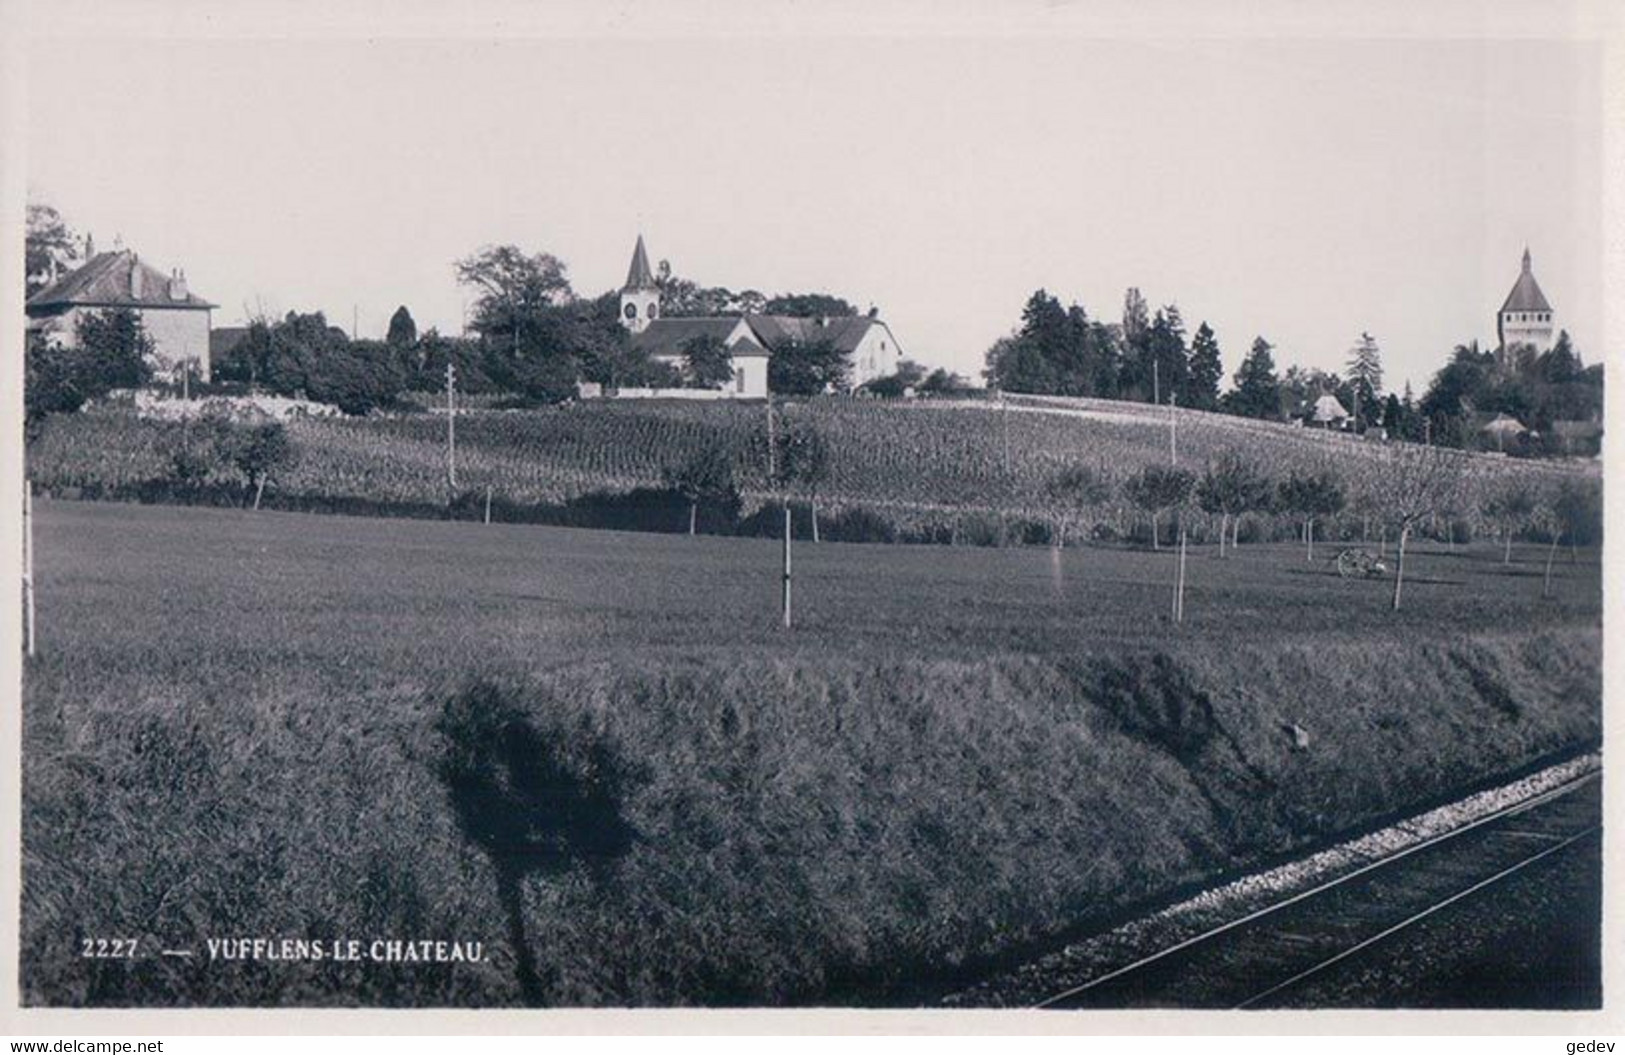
{"x": 1526, "y": 317}
{"x": 866, "y": 341}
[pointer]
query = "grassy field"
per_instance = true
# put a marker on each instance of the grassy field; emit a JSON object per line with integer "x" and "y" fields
{"x": 929, "y": 469}
{"x": 596, "y": 752}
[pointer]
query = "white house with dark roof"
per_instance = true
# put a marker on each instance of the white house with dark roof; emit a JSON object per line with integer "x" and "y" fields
{"x": 866, "y": 341}
{"x": 174, "y": 317}
{"x": 1525, "y": 317}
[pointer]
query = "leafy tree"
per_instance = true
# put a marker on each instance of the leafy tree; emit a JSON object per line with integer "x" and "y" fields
{"x": 1074, "y": 494}
{"x": 49, "y": 247}
{"x": 1231, "y": 487}
{"x": 403, "y": 332}
{"x": 1365, "y": 363}
{"x": 1206, "y": 371}
{"x": 707, "y": 475}
{"x": 466, "y": 356}
{"x": 801, "y": 462}
{"x": 809, "y": 306}
{"x": 807, "y": 368}
{"x": 542, "y": 379}
{"x": 1136, "y": 316}
{"x": 1310, "y": 496}
{"x": 111, "y": 351}
{"x": 1166, "y": 344}
{"x": 1156, "y": 488}
{"x": 1394, "y": 417}
{"x": 1135, "y": 380}
{"x": 1055, "y": 351}
{"x": 1560, "y": 365}
{"x": 707, "y": 363}
{"x": 1510, "y": 508}
{"x": 942, "y": 382}
{"x": 1256, "y": 394}
{"x": 909, "y": 375}
{"x": 114, "y": 349}
{"x": 261, "y": 450}
{"x": 515, "y": 288}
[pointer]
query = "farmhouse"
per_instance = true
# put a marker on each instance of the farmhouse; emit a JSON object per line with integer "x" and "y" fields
{"x": 866, "y": 341}
{"x": 175, "y": 318}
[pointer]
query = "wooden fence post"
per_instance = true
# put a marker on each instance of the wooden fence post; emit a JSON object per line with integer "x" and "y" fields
{"x": 1179, "y": 589}
{"x": 787, "y": 565}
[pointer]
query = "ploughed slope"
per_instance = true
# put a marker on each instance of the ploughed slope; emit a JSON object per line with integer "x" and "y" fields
{"x": 596, "y": 754}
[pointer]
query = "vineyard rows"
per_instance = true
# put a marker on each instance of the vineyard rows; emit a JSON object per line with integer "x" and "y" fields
{"x": 923, "y": 465}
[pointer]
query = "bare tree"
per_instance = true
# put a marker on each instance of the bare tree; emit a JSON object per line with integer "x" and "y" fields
{"x": 1417, "y": 483}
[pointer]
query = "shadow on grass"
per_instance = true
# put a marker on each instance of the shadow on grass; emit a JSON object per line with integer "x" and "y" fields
{"x": 537, "y": 801}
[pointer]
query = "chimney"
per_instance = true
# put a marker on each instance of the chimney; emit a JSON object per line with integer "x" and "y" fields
{"x": 135, "y": 277}
{"x": 177, "y": 285}
{"x": 90, "y": 246}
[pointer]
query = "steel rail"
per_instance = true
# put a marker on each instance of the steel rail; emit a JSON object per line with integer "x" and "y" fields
{"x": 1416, "y": 918}
{"x": 1550, "y": 794}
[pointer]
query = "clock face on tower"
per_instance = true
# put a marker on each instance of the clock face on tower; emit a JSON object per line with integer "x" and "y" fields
{"x": 631, "y": 311}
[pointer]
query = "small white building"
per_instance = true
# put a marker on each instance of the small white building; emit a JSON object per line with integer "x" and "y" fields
{"x": 1329, "y": 412}
{"x": 175, "y": 318}
{"x": 866, "y": 341}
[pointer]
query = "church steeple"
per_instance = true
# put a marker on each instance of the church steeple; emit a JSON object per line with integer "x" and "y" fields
{"x": 640, "y": 297}
{"x": 638, "y": 276}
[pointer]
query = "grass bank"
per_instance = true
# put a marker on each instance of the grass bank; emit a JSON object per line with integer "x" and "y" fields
{"x": 592, "y": 753}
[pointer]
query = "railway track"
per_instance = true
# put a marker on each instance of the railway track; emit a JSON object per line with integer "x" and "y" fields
{"x": 1261, "y": 958}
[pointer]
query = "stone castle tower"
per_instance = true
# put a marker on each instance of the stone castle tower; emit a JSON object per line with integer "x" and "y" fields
{"x": 1526, "y": 317}
{"x": 640, "y": 297}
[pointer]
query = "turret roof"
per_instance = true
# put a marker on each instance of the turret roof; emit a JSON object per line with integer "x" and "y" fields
{"x": 1526, "y": 294}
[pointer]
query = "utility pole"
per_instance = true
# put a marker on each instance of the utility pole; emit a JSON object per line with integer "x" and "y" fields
{"x": 1156, "y": 383}
{"x": 451, "y": 426}
{"x": 772, "y": 443}
{"x": 1173, "y": 430}
{"x": 1004, "y": 422}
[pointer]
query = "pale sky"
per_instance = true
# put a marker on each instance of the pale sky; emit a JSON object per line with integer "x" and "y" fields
{"x": 1301, "y": 189}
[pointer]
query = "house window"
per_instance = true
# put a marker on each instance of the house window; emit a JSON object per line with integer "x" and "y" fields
{"x": 654, "y": 311}
{"x": 739, "y": 379}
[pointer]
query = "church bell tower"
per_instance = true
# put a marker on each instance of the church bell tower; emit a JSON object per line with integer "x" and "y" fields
{"x": 640, "y": 297}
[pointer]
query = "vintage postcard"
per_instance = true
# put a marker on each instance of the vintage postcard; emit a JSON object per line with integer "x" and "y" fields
{"x": 1048, "y": 509}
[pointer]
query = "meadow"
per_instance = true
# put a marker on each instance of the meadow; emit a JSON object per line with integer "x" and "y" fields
{"x": 598, "y": 754}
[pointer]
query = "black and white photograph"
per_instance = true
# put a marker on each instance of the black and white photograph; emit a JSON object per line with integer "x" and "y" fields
{"x": 1044, "y": 508}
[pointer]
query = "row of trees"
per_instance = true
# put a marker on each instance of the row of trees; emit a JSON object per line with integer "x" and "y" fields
{"x": 1146, "y": 357}
{"x": 1415, "y": 485}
